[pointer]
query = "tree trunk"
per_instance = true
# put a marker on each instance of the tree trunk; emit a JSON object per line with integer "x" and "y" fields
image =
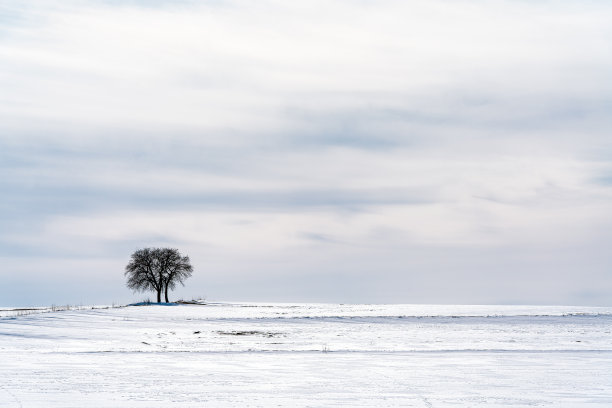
{"x": 159, "y": 295}
{"x": 166, "y": 293}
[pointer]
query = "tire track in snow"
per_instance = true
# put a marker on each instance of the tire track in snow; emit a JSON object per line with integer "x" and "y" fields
{"x": 413, "y": 390}
{"x": 12, "y": 395}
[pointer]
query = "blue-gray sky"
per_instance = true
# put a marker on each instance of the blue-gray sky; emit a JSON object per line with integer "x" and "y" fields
{"x": 344, "y": 151}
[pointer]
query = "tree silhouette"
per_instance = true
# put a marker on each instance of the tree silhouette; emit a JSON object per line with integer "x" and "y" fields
{"x": 157, "y": 269}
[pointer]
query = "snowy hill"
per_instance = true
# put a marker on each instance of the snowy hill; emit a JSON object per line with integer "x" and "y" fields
{"x": 306, "y": 355}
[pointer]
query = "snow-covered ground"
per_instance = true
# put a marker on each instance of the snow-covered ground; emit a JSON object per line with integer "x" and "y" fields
{"x": 306, "y": 355}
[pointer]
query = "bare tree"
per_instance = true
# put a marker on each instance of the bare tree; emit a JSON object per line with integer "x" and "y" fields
{"x": 157, "y": 269}
{"x": 176, "y": 268}
{"x": 143, "y": 272}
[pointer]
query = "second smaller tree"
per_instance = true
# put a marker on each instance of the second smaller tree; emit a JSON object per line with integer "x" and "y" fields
{"x": 176, "y": 268}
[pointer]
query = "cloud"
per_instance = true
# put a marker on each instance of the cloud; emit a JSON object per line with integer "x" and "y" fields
{"x": 91, "y": 65}
{"x": 249, "y": 133}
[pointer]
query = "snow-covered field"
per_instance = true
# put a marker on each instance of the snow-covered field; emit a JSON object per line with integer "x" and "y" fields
{"x": 299, "y": 355}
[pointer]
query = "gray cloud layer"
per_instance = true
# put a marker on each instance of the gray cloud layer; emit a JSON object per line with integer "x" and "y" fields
{"x": 336, "y": 151}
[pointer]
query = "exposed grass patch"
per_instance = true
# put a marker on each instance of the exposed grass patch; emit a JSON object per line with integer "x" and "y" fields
{"x": 248, "y": 333}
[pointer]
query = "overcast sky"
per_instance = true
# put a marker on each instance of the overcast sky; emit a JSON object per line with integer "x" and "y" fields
{"x": 339, "y": 151}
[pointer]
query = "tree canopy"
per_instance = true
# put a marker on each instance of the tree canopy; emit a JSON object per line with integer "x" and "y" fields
{"x": 157, "y": 269}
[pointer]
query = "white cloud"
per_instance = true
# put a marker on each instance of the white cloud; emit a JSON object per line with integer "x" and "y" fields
{"x": 239, "y": 66}
{"x": 348, "y": 129}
